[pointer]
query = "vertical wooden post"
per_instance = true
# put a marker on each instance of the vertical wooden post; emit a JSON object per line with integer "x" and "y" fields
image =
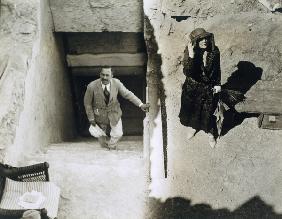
{"x": 146, "y": 137}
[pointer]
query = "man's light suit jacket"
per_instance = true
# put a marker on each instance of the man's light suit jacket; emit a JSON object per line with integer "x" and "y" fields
{"x": 95, "y": 105}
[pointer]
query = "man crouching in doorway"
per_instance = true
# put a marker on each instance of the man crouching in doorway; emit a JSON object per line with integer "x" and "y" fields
{"x": 103, "y": 109}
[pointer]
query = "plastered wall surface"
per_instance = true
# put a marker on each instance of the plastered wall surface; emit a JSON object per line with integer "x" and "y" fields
{"x": 247, "y": 160}
{"x": 36, "y": 89}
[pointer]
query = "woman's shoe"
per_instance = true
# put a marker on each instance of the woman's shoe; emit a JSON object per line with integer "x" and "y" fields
{"x": 212, "y": 141}
{"x": 191, "y": 133}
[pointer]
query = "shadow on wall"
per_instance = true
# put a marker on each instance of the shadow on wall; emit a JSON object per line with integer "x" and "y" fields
{"x": 240, "y": 80}
{"x": 244, "y": 77}
{"x": 180, "y": 208}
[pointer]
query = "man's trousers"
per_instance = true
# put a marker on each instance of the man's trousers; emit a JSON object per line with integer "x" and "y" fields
{"x": 114, "y": 132}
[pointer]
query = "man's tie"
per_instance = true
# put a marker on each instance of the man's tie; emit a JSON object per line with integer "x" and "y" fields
{"x": 107, "y": 95}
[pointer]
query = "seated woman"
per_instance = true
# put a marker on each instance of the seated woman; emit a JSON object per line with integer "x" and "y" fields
{"x": 201, "y": 66}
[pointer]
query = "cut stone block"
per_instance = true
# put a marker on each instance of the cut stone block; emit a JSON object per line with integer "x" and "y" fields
{"x": 262, "y": 100}
{"x": 267, "y": 121}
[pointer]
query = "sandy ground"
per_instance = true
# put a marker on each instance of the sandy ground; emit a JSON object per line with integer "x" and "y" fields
{"x": 97, "y": 183}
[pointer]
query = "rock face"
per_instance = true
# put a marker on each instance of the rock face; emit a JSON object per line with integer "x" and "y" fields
{"x": 17, "y": 33}
{"x": 248, "y": 36}
{"x": 203, "y": 9}
{"x": 36, "y": 106}
{"x": 97, "y": 16}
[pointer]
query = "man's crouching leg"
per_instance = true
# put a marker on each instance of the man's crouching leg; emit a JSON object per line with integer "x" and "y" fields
{"x": 103, "y": 141}
{"x": 116, "y": 133}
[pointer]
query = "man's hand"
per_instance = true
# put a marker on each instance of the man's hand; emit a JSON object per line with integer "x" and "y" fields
{"x": 145, "y": 107}
{"x": 92, "y": 122}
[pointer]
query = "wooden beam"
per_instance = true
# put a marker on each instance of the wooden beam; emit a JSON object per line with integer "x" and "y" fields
{"x": 111, "y": 59}
{"x": 105, "y": 42}
{"x": 117, "y": 71}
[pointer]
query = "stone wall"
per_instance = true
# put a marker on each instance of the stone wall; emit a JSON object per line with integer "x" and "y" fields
{"x": 97, "y": 16}
{"x": 34, "y": 86}
{"x": 18, "y": 31}
{"x": 247, "y": 160}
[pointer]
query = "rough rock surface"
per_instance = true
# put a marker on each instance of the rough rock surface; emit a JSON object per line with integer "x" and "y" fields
{"x": 35, "y": 98}
{"x": 204, "y": 9}
{"x": 242, "y": 165}
{"x": 97, "y": 16}
{"x": 17, "y": 32}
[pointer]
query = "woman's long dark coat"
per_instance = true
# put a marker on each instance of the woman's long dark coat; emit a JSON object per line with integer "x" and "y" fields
{"x": 197, "y": 100}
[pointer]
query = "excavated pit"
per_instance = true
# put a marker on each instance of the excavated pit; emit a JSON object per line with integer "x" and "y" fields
{"x": 125, "y": 53}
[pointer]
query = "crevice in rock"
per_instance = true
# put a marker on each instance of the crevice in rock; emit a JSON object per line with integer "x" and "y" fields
{"x": 180, "y": 18}
{"x": 3, "y": 68}
{"x": 155, "y": 73}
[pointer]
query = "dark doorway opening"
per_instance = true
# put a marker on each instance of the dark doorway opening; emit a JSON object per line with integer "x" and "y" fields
{"x": 125, "y": 53}
{"x": 132, "y": 117}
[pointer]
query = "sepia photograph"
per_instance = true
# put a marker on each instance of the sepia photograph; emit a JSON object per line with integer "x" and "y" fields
{"x": 140, "y": 109}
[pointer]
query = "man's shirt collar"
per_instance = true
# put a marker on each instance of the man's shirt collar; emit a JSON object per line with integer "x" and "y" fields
{"x": 108, "y": 86}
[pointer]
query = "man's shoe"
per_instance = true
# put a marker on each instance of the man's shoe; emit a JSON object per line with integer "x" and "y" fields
{"x": 106, "y": 146}
{"x": 112, "y": 144}
{"x": 191, "y": 133}
{"x": 103, "y": 142}
{"x": 113, "y": 147}
{"x": 212, "y": 141}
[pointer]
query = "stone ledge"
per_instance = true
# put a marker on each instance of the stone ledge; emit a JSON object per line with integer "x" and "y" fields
{"x": 262, "y": 101}
{"x": 117, "y": 71}
{"x": 111, "y": 59}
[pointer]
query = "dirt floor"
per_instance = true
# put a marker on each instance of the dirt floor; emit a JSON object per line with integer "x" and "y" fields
{"x": 95, "y": 182}
{"x": 245, "y": 163}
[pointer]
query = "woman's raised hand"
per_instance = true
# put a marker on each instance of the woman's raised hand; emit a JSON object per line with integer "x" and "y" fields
{"x": 191, "y": 49}
{"x": 216, "y": 89}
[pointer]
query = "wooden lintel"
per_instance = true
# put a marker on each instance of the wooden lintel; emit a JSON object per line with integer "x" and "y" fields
{"x": 109, "y": 59}
{"x": 117, "y": 71}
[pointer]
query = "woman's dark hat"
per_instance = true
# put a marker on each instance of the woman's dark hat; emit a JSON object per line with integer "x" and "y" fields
{"x": 198, "y": 34}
